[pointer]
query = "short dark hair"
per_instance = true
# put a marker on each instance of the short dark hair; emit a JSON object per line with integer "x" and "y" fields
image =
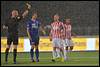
{"x": 34, "y": 13}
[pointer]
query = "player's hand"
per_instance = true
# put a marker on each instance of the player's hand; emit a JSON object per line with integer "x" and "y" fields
{"x": 28, "y": 5}
{"x": 69, "y": 38}
{"x": 50, "y": 39}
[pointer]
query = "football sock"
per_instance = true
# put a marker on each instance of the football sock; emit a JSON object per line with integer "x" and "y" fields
{"x": 54, "y": 54}
{"x": 65, "y": 54}
{"x": 58, "y": 52}
{"x": 32, "y": 53}
{"x": 37, "y": 53}
{"x": 62, "y": 53}
{"x": 6, "y": 52}
{"x": 14, "y": 54}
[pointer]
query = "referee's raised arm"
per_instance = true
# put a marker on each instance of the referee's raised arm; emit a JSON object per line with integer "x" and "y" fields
{"x": 27, "y": 10}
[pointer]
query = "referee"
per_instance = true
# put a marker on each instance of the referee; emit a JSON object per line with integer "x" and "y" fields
{"x": 12, "y": 36}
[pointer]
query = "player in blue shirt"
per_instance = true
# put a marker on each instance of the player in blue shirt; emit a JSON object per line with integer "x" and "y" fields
{"x": 33, "y": 26}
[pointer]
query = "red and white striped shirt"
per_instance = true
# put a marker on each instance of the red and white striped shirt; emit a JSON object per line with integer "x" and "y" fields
{"x": 56, "y": 29}
{"x": 68, "y": 30}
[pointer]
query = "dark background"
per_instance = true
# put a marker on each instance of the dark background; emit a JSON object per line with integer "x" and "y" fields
{"x": 84, "y": 15}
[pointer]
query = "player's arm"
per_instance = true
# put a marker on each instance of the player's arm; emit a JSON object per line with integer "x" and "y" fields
{"x": 28, "y": 30}
{"x": 69, "y": 28}
{"x": 63, "y": 30}
{"x": 42, "y": 29}
{"x": 28, "y": 34}
{"x": 50, "y": 35}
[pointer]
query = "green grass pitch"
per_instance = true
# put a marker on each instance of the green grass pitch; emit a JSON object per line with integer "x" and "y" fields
{"x": 75, "y": 59}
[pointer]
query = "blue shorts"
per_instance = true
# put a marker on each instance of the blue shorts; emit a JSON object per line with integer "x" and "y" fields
{"x": 34, "y": 40}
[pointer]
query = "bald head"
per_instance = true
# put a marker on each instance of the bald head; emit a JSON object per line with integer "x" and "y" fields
{"x": 14, "y": 13}
{"x": 56, "y": 17}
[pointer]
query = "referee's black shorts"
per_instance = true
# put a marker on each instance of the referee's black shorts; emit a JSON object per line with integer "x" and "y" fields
{"x": 12, "y": 38}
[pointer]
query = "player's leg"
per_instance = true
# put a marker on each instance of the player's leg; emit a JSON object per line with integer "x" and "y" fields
{"x": 54, "y": 53}
{"x": 37, "y": 53}
{"x": 61, "y": 46}
{"x": 37, "y": 50}
{"x": 58, "y": 52}
{"x": 15, "y": 43}
{"x": 32, "y": 51}
{"x": 67, "y": 44}
{"x": 62, "y": 54}
{"x": 71, "y": 48}
{"x": 71, "y": 45}
{"x": 58, "y": 49}
{"x": 63, "y": 50}
{"x": 9, "y": 40}
{"x": 66, "y": 49}
{"x": 6, "y": 53}
{"x": 14, "y": 53}
{"x": 65, "y": 54}
{"x": 58, "y": 43}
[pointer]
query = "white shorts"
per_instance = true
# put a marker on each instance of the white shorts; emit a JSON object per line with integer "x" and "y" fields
{"x": 56, "y": 42}
{"x": 69, "y": 42}
{"x": 62, "y": 43}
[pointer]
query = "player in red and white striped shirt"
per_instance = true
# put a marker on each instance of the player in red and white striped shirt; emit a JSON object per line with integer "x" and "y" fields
{"x": 62, "y": 44}
{"x": 55, "y": 31}
{"x": 68, "y": 33}
{"x": 55, "y": 36}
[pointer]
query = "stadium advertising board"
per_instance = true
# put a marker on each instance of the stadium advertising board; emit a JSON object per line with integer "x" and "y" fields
{"x": 20, "y": 45}
{"x": 80, "y": 44}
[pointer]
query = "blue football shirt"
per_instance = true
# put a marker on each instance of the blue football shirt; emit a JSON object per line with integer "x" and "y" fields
{"x": 33, "y": 27}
